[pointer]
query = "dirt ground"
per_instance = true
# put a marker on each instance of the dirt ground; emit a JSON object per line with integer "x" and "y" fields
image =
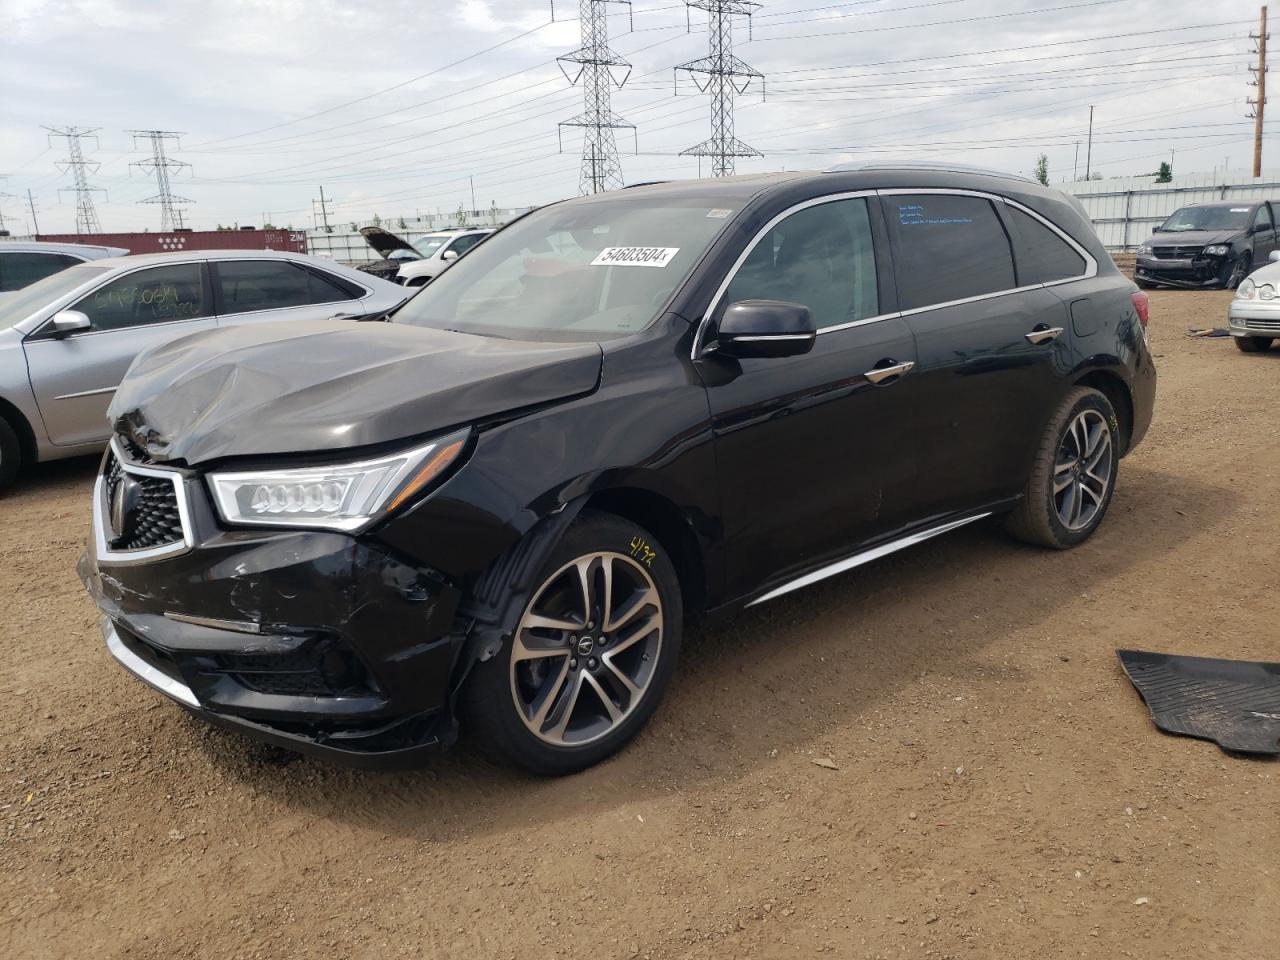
{"x": 998, "y": 790}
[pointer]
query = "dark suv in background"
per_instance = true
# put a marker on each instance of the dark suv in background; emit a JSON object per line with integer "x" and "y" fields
{"x": 618, "y": 412}
{"x": 1208, "y": 245}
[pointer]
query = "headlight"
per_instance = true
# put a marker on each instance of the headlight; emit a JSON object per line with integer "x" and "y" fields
{"x": 1266, "y": 292}
{"x": 1247, "y": 290}
{"x": 346, "y": 497}
{"x": 1145, "y": 247}
{"x": 1218, "y": 251}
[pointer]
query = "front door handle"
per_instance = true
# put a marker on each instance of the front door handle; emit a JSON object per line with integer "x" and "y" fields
{"x": 1043, "y": 334}
{"x": 880, "y": 374}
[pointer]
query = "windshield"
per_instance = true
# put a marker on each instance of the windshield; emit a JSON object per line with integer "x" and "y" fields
{"x": 1206, "y": 218}
{"x": 575, "y": 271}
{"x": 22, "y": 303}
{"x": 430, "y": 244}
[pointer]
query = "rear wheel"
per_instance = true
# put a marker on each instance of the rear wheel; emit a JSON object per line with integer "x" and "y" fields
{"x": 1073, "y": 474}
{"x": 1253, "y": 344}
{"x": 590, "y": 655}
{"x": 10, "y": 454}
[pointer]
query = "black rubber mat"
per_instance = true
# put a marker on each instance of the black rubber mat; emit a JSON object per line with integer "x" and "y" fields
{"x": 1235, "y": 703}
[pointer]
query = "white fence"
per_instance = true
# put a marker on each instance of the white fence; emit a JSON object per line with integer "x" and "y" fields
{"x": 1125, "y": 210}
{"x": 345, "y": 244}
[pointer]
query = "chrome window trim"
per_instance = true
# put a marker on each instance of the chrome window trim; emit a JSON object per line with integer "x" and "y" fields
{"x": 1090, "y": 269}
{"x": 126, "y": 557}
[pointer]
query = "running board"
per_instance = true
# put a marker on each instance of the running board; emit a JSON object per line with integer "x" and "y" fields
{"x": 858, "y": 559}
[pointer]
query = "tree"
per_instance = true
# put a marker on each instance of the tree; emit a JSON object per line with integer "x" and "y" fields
{"x": 1166, "y": 173}
{"x": 1042, "y": 169}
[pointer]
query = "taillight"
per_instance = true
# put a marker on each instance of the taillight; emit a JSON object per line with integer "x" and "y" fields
{"x": 1141, "y": 303}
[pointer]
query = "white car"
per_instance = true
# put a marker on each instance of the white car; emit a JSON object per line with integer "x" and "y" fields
{"x": 67, "y": 340}
{"x": 1254, "y": 314}
{"x": 23, "y": 262}
{"x": 438, "y": 251}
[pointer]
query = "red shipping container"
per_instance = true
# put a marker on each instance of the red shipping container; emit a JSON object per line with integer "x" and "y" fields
{"x": 179, "y": 240}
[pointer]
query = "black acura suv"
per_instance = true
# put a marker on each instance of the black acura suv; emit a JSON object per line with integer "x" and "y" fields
{"x": 499, "y": 506}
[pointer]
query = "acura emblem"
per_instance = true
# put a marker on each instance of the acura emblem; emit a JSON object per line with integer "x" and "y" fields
{"x": 124, "y": 502}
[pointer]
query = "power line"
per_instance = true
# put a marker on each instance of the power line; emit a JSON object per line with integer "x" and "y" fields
{"x": 596, "y": 63}
{"x": 80, "y": 168}
{"x": 726, "y": 76}
{"x": 160, "y": 164}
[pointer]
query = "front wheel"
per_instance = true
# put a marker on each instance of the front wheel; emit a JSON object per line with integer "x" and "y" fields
{"x": 1237, "y": 272}
{"x": 1073, "y": 474}
{"x": 1253, "y": 344}
{"x": 590, "y": 656}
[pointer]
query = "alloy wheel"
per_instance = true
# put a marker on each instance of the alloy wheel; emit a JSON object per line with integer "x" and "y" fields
{"x": 1082, "y": 470}
{"x": 586, "y": 649}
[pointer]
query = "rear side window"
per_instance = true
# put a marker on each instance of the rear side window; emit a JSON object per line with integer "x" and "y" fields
{"x": 249, "y": 285}
{"x": 947, "y": 248}
{"x": 1042, "y": 255}
{"x": 821, "y": 257}
{"x": 17, "y": 270}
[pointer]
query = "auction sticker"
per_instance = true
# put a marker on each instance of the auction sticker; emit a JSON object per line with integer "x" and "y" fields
{"x": 635, "y": 256}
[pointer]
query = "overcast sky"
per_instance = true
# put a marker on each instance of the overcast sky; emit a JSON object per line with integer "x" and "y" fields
{"x": 394, "y": 105}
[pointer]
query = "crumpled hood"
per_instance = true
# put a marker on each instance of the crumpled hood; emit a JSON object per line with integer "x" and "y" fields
{"x": 298, "y": 387}
{"x": 1193, "y": 238}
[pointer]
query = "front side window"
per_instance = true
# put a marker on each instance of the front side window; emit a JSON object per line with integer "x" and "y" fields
{"x": 154, "y": 295}
{"x": 17, "y": 270}
{"x": 1262, "y": 219}
{"x": 1042, "y": 255}
{"x": 463, "y": 244}
{"x": 582, "y": 270}
{"x": 250, "y": 285}
{"x": 821, "y": 257}
{"x": 947, "y": 247}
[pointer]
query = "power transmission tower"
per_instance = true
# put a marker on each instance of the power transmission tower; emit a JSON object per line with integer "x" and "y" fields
{"x": 4, "y": 232}
{"x": 1259, "y": 103}
{"x": 596, "y": 63}
{"x": 160, "y": 165}
{"x": 726, "y": 77}
{"x": 80, "y": 168}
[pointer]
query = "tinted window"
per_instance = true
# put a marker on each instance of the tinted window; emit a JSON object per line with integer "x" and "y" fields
{"x": 821, "y": 257}
{"x": 19, "y": 269}
{"x": 1042, "y": 255}
{"x": 155, "y": 295}
{"x": 463, "y": 244}
{"x": 1263, "y": 217}
{"x": 248, "y": 285}
{"x": 947, "y": 248}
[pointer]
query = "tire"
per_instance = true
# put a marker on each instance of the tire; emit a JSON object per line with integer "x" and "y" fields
{"x": 1239, "y": 270}
{"x": 1144, "y": 284}
{"x": 547, "y": 713}
{"x": 10, "y": 454}
{"x": 1253, "y": 344}
{"x": 1070, "y": 453}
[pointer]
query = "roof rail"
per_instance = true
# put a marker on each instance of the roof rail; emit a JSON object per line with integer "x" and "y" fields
{"x": 935, "y": 166}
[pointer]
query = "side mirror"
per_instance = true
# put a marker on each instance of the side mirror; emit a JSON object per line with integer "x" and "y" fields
{"x": 68, "y": 321}
{"x": 1274, "y": 256}
{"x": 449, "y": 255}
{"x": 765, "y": 328}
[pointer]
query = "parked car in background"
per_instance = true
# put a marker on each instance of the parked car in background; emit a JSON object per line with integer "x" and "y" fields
{"x": 1208, "y": 245}
{"x": 1254, "y": 315}
{"x": 24, "y": 262}
{"x": 394, "y": 251}
{"x": 439, "y": 250}
{"x": 66, "y": 340}
{"x": 676, "y": 399}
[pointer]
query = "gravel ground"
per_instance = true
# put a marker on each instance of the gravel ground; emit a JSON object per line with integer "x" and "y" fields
{"x": 989, "y": 786}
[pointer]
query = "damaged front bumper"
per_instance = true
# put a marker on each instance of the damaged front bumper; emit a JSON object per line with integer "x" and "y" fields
{"x": 1257, "y": 319}
{"x": 316, "y": 641}
{"x": 1191, "y": 273}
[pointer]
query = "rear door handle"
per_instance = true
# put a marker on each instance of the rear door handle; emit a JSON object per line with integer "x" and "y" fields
{"x": 1043, "y": 334}
{"x": 880, "y": 374}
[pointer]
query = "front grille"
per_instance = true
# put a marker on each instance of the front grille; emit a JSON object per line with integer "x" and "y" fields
{"x": 134, "y": 451}
{"x": 1176, "y": 253}
{"x": 152, "y": 521}
{"x": 325, "y": 670}
{"x": 1271, "y": 326}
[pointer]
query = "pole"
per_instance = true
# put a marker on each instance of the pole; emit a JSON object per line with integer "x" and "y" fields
{"x": 32, "y": 204}
{"x": 1088, "y": 159}
{"x": 1075, "y": 164}
{"x": 473, "y": 194}
{"x": 1262, "y": 96}
{"x": 324, "y": 210}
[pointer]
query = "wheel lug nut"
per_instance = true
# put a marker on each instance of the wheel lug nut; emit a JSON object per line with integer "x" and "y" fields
{"x": 573, "y": 664}
{"x": 592, "y": 663}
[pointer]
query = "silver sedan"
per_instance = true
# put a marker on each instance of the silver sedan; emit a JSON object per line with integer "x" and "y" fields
{"x": 67, "y": 340}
